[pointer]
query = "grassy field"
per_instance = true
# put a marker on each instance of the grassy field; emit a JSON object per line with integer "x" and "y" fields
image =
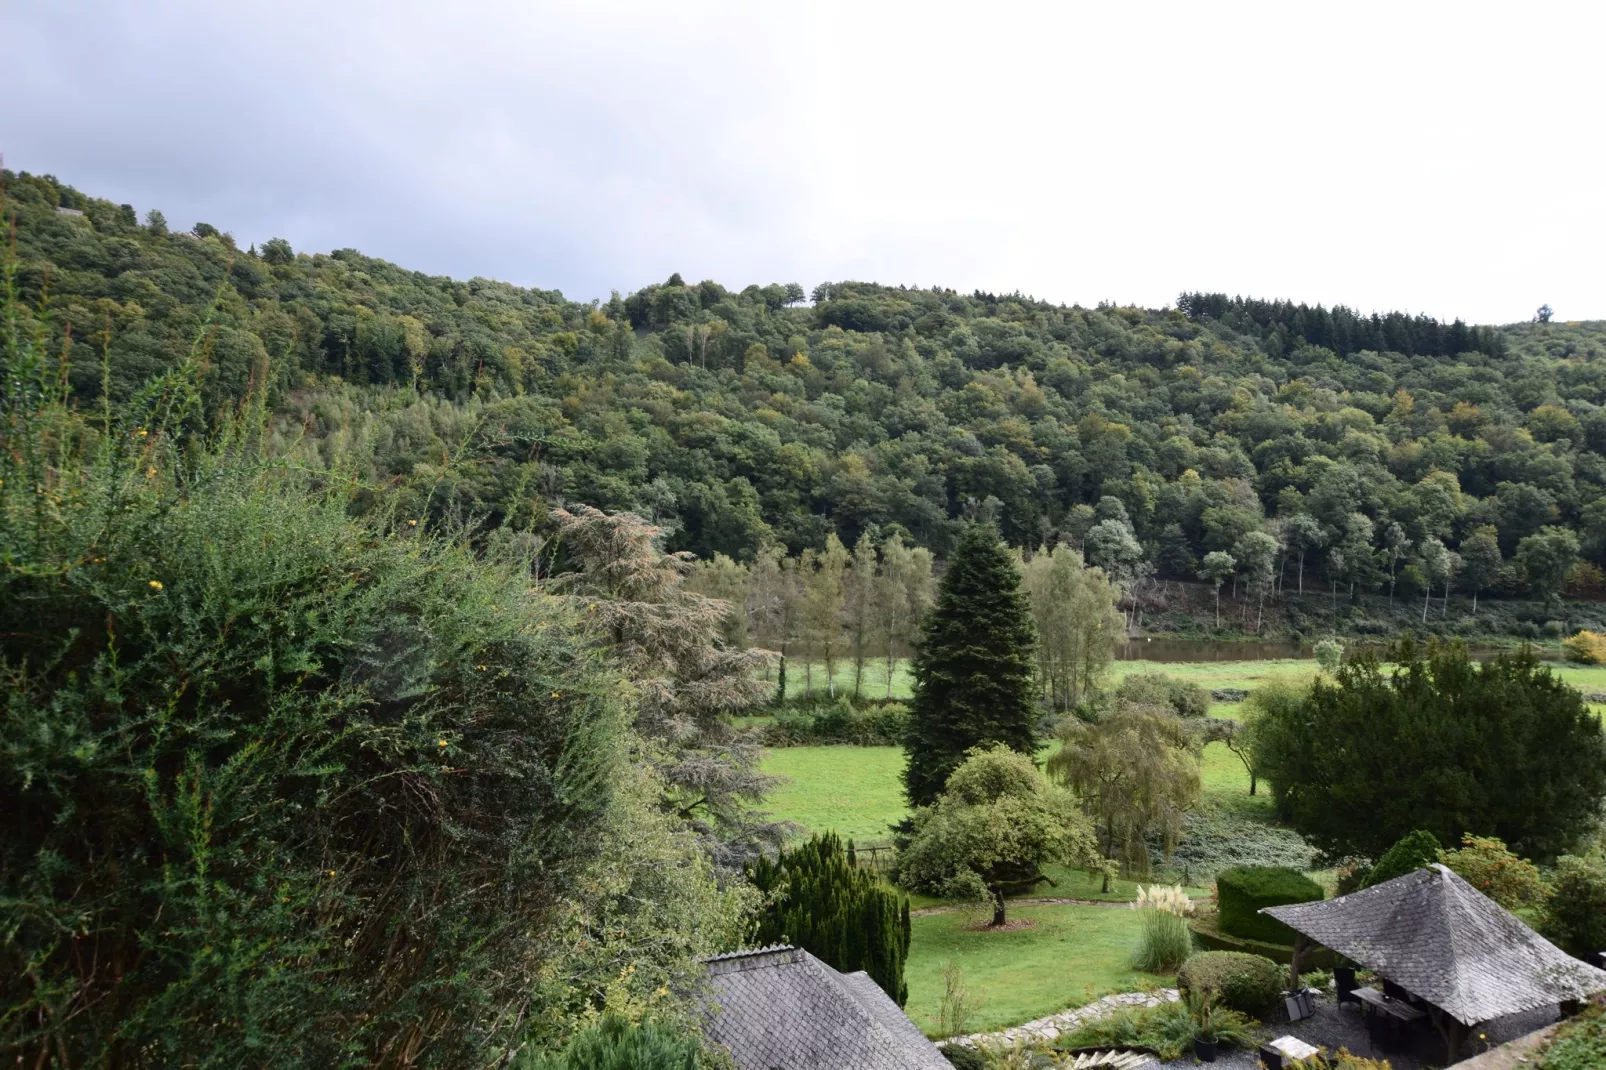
{"x": 1070, "y": 955}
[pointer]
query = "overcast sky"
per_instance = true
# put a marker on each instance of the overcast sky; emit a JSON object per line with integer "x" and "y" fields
{"x": 1442, "y": 158}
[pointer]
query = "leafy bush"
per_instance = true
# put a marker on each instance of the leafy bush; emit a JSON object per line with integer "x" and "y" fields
{"x": 1242, "y": 891}
{"x": 1168, "y": 1028}
{"x": 1182, "y": 697}
{"x": 1585, "y": 648}
{"x": 1439, "y": 742}
{"x": 1329, "y": 654}
{"x": 1575, "y": 912}
{"x": 285, "y": 788}
{"x": 964, "y": 1058}
{"x": 1484, "y": 863}
{"x": 1248, "y": 983}
{"x": 616, "y": 1043}
{"x": 882, "y": 725}
{"x": 1413, "y": 851}
{"x": 1579, "y": 1044}
{"x": 847, "y": 917}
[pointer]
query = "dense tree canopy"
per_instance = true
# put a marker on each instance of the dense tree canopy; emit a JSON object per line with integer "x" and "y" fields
{"x": 1438, "y": 743}
{"x": 740, "y": 418}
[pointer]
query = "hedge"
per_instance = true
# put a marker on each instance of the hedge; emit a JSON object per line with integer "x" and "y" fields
{"x": 1207, "y": 936}
{"x": 1248, "y": 983}
{"x": 1242, "y": 891}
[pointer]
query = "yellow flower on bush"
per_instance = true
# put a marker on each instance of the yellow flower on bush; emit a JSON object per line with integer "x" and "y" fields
{"x": 156, "y": 585}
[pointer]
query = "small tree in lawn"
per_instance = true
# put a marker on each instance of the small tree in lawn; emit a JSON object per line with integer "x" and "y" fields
{"x": 1216, "y": 567}
{"x": 990, "y": 832}
{"x": 974, "y": 666}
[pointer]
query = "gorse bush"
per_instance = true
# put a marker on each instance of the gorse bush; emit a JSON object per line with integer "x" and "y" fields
{"x": 283, "y": 788}
{"x": 1585, "y": 648}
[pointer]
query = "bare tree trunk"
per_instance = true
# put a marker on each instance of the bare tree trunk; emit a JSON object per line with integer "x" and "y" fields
{"x": 1426, "y": 598}
{"x": 1302, "y": 572}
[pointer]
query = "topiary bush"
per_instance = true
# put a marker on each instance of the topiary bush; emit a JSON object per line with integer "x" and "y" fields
{"x": 1242, "y": 891}
{"x": 1248, "y": 983}
{"x": 1413, "y": 851}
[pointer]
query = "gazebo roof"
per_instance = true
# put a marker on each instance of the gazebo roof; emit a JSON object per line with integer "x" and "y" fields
{"x": 1439, "y": 938}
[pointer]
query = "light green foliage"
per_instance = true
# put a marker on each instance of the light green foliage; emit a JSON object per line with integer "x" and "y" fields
{"x": 1159, "y": 691}
{"x": 1136, "y": 774}
{"x": 1575, "y": 912}
{"x": 1329, "y": 654}
{"x": 1486, "y": 864}
{"x": 998, "y": 822}
{"x": 616, "y": 1043}
{"x": 1078, "y": 624}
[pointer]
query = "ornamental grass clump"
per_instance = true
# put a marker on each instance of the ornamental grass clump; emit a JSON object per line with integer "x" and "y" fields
{"x": 1166, "y": 942}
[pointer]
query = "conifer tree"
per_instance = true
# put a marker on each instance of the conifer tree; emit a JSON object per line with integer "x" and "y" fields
{"x": 818, "y": 899}
{"x": 973, "y": 670}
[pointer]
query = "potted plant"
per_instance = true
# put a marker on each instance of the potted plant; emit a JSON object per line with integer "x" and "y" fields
{"x": 1206, "y": 1031}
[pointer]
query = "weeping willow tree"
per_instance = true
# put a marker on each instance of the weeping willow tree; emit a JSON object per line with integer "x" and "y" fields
{"x": 1136, "y": 773}
{"x": 670, "y": 642}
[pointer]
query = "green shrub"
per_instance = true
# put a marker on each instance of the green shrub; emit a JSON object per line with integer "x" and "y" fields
{"x": 881, "y": 725}
{"x": 616, "y": 1043}
{"x": 1579, "y": 1044}
{"x": 847, "y": 917}
{"x": 283, "y": 788}
{"x": 1182, "y": 697}
{"x": 964, "y": 1058}
{"x": 1329, "y": 654}
{"x": 1242, "y": 891}
{"x": 1413, "y": 851}
{"x": 1248, "y": 983}
{"x": 1575, "y": 912}
{"x": 1168, "y": 1028}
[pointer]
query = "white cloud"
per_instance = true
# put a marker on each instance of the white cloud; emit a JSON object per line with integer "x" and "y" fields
{"x": 1431, "y": 157}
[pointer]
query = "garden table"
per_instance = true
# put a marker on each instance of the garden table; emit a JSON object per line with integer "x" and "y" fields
{"x": 1386, "y": 1015}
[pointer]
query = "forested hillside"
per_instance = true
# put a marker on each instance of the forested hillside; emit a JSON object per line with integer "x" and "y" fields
{"x": 1369, "y": 452}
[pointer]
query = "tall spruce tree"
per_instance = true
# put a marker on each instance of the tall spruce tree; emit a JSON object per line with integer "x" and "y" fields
{"x": 973, "y": 669}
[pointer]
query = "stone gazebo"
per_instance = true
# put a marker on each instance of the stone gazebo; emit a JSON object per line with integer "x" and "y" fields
{"x": 1457, "y": 953}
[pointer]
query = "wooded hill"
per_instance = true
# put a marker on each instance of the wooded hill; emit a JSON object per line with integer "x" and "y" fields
{"x": 1379, "y": 446}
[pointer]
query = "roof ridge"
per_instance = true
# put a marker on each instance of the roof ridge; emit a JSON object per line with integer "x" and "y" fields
{"x": 752, "y": 952}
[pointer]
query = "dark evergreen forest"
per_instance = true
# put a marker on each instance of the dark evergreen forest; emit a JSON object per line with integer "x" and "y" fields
{"x": 1376, "y": 450}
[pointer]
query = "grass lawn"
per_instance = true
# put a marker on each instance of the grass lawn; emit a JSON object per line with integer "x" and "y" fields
{"x": 858, "y": 791}
{"x": 1070, "y": 956}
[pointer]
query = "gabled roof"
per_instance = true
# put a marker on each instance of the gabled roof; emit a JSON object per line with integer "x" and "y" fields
{"x": 780, "y": 1008}
{"x": 1439, "y": 938}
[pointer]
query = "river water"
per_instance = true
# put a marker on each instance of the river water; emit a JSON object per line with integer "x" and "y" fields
{"x": 1190, "y": 650}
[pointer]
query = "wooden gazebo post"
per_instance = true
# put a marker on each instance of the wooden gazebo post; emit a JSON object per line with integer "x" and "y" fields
{"x": 1301, "y": 942}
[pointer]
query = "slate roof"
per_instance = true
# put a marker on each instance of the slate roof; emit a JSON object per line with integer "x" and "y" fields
{"x": 1439, "y": 938}
{"x": 780, "y": 1008}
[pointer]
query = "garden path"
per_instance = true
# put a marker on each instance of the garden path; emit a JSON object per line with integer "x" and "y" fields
{"x": 1049, "y": 1028}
